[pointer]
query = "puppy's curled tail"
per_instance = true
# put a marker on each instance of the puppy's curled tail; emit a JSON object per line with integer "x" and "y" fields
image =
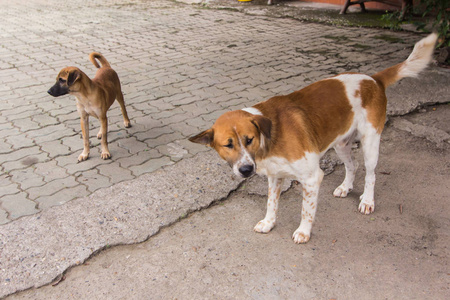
{"x": 416, "y": 62}
{"x": 95, "y": 55}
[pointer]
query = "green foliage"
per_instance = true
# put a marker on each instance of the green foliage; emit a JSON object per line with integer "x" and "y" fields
{"x": 436, "y": 12}
{"x": 441, "y": 23}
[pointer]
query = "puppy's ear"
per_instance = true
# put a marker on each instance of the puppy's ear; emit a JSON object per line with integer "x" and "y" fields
{"x": 263, "y": 124}
{"x": 73, "y": 77}
{"x": 205, "y": 138}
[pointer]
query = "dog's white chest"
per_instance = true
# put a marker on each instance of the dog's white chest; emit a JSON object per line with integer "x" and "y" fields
{"x": 280, "y": 167}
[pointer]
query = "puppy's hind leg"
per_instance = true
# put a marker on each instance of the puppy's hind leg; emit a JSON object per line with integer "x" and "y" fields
{"x": 265, "y": 225}
{"x": 345, "y": 154}
{"x": 126, "y": 120}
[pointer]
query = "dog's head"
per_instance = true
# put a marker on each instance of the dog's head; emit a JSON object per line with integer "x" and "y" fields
{"x": 66, "y": 82}
{"x": 237, "y": 136}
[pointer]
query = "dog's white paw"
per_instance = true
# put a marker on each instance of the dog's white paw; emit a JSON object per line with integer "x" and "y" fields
{"x": 127, "y": 124}
{"x": 264, "y": 226}
{"x": 105, "y": 155}
{"x": 300, "y": 237}
{"x": 83, "y": 156}
{"x": 99, "y": 135}
{"x": 366, "y": 207}
{"x": 341, "y": 191}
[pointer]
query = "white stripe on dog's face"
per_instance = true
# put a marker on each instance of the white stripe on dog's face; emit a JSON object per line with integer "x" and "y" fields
{"x": 245, "y": 165}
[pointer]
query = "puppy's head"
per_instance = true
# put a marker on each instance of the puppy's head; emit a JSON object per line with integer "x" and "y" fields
{"x": 66, "y": 82}
{"x": 237, "y": 136}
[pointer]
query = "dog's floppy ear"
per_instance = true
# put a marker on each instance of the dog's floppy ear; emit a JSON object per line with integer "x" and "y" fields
{"x": 73, "y": 76}
{"x": 205, "y": 138}
{"x": 263, "y": 124}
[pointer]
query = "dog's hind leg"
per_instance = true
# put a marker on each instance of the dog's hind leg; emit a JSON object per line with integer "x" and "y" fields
{"x": 370, "y": 144}
{"x": 344, "y": 151}
{"x": 126, "y": 120}
{"x": 265, "y": 225}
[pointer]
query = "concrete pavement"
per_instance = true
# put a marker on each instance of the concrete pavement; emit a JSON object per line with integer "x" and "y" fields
{"x": 181, "y": 66}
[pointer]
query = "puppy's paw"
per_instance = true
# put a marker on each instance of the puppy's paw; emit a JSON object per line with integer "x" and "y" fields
{"x": 99, "y": 135}
{"x": 127, "y": 124}
{"x": 300, "y": 237}
{"x": 105, "y": 155}
{"x": 83, "y": 156}
{"x": 366, "y": 207}
{"x": 264, "y": 226}
{"x": 341, "y": 191}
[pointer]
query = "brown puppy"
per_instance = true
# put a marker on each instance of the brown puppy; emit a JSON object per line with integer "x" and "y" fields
{"x": 94, "y": 98}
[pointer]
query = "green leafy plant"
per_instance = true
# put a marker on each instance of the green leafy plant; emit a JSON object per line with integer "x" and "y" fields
{"x": 441, "y": 23}
{"x": 434, "y": 13}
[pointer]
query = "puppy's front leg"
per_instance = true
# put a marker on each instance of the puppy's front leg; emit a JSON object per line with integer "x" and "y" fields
{"x": 265, "y": 225}
{"x": 309, "y": 206}
{"x": 104, "y": 142}
{"x": 84, "y": 122}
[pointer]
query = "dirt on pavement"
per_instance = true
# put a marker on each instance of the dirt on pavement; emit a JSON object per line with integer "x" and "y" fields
{"x": 399, "y": 252}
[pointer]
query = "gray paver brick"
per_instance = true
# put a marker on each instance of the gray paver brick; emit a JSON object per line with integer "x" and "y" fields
{"x": 176, "y": 81}
{"x": 18, "y": 205}
{"x": 24, "y": 162}
{"x": 55, "y": 148}
{"x": 132, "y": 145}
{"x": 139, "y": 158}
{"x": 50, "y": 170}
{"x": 5, "y": 147}
{"x": 115, "y": 173}
{"x": 62, "y": 196}
{"x": 9, "y": 189}
{"x": 93, "y": 180}
{"x": 51, "y": 187}
{"x": 26, "y": 178}
{"x": 151, "y": 165}
{"x": 3, "y": 217}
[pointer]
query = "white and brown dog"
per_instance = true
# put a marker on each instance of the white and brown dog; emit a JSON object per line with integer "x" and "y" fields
{"x": 285, "y": 136}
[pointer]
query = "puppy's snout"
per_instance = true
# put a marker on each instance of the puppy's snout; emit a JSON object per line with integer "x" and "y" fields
{"x": 50, "y": 92}
{"x": 246, "y": 170}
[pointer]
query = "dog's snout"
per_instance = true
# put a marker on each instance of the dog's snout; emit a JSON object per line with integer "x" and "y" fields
{"x": 246, "y": 170}
{"x": 57, "y": 90}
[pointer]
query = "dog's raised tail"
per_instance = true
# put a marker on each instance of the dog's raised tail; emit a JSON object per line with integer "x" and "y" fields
{"x": 94, "y": 56}
{"x": 417, "y": 61}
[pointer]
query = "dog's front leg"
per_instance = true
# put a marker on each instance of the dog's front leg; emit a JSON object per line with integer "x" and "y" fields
{"x": 104, "y": 141}
{"x": 309, "y": 206}
{"x": 84, "y": 122}
{"x": 265, "y": 225}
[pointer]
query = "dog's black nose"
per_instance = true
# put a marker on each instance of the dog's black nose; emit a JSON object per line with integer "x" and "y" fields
{"x": 246, "y": 170}
{"x": 50, "y": 92}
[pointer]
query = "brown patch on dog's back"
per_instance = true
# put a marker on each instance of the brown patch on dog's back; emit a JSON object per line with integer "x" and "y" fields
{"x": 374, "y": 101}
{"x": 317, "y": 114}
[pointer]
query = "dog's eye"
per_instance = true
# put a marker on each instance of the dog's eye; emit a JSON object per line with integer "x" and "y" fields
{"x": 62, "y": 80}
{"x": 229, "y": 146}
{"x": 248, "y": 141}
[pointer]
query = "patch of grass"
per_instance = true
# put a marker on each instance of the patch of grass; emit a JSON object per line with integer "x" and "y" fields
{"x": 361, "y": 46}
{"x": 389, "y": 38}
{"x": 336, "y": 37}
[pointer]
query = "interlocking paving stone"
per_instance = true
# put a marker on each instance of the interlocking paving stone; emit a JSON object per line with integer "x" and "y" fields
{"x": 181, "y": 67}
{"x": 18, "y": 205}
